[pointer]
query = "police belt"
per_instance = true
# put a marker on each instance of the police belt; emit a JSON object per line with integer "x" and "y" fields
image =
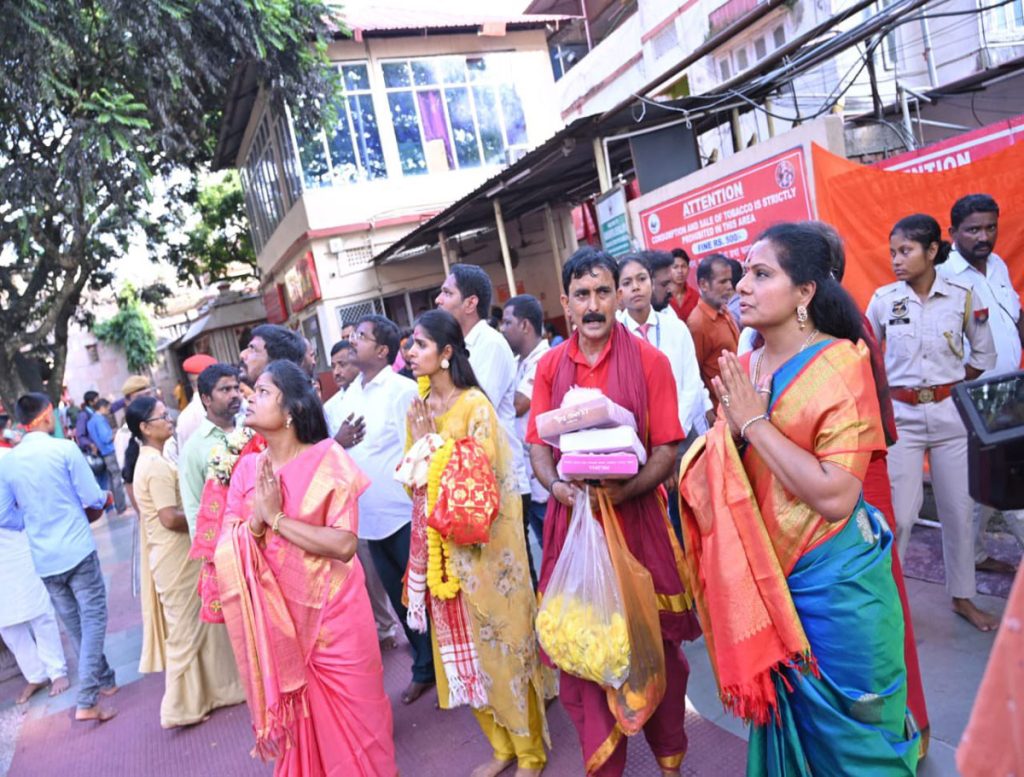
{"x": 922, "y": 396}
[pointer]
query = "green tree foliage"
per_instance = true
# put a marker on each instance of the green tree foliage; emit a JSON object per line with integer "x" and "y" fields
{"x": 96, "y": 98}
{"x": 130, "y": 329}
{"x": 218, "y": 246}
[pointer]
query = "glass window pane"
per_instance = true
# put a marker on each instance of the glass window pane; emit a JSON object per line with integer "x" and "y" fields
{"x": 315, "y": 170}
{"x": 779, "y": 36}
{"x": 477, "y": 68}
{"x": 490, "y": 125}
{"x": 741, "y": 60}
{"x": 723, "y": 69}
{"x": 1018, "y": 13}
{"x": 407, "y": 133}
{"x": 367, "y": 136}
{"x": 355, "y": 77}
{"x": 460, "y": 112}
{"x": 426, "y": 71}
{"x": 515, "y": 119}
{"x": 454, "y": 69}
{"x": 343, "y": 155}
{"x": 760, "y": 48}
{"x": 434, "y": 125}
{"x": 396, "y": 74}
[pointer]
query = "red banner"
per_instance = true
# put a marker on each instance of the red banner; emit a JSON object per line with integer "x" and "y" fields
{"x": 960, "y": 150}
{"x": 728, "y": 215}
{"x": 302, "y": 283}
{"x": 273, "y": 301}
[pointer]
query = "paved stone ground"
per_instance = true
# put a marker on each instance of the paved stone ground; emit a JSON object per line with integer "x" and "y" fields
{"x": 41, "y": 739}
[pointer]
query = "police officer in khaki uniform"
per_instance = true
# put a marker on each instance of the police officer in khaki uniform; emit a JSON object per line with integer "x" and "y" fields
{"x": 923, "y": 319}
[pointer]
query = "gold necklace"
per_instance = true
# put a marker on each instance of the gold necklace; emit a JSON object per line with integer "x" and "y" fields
{"x": 760, "y": 355}
{"x": 448, "y": 400}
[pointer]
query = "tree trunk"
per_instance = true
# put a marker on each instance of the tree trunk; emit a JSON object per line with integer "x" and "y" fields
{"x": 11, "y": 385}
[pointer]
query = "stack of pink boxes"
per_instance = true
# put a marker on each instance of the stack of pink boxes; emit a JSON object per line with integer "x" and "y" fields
{"x": 597, "y": 437}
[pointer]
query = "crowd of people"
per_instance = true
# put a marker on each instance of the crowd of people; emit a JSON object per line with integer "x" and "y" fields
{"x": 285, "y": 541}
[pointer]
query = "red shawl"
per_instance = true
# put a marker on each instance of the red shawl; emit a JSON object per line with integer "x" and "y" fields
{"x": 644, "y": 520}
{"x": 209, "y": 519}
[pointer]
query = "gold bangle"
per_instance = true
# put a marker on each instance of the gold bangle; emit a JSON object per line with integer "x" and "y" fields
{"x": 276, "y": 522}
{"x": 253, "y": 533}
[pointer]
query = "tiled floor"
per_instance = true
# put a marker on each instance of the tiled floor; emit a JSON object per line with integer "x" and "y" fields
{"x": 45, "y": 742}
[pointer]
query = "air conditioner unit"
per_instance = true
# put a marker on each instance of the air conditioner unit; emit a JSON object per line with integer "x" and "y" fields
{"x": 335, "y": 245}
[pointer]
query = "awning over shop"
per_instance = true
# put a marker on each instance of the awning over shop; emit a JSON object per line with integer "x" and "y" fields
{"x": 244, "y": 311}
{"x": 562, "y": 170}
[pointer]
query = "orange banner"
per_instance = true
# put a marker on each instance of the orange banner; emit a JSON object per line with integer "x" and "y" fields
{"x": 864, "y": 202}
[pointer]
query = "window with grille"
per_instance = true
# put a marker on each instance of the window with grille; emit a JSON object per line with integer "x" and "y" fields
{"x": 261, "y": 183}
{"x": 360, "y": 256}
{"x": 349, "y": 314}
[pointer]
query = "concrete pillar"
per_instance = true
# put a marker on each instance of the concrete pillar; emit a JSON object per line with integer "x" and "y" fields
{"x": 442, "y": 240}
{"x": 506, "y": 255}
{"x": 604, "y": 178}
{"x": 556, "y": 253}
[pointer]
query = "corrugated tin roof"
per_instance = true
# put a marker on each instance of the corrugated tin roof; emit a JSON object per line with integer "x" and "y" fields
{"x": 382, "y": 18}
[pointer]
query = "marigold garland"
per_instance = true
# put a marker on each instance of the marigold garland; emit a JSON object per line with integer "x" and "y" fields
{"x": 442, "y": 579}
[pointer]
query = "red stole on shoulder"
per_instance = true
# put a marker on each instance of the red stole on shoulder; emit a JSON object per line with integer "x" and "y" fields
{"x": 644, "y": 520}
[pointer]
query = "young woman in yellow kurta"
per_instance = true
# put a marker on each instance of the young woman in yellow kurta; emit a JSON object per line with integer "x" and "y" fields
{"x": 199, "y": 668}
{"x": 479, "y": 596}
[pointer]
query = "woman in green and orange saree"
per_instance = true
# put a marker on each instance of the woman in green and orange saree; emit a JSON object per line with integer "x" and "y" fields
{"x": 774, "y": 518}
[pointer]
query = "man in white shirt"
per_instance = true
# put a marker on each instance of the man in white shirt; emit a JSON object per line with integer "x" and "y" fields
{"x": 192, "y": 416}
{"x": 645, "y": 281}
{"x": 377, "y": 402}
{"x": 344, "y": 371}
{"x": 348, "y": 430}
{"x": 466, "y": 294}
{"x": 522, "y": 324}
{"x": 645, "y": 287}
{"x": 974, "y": 229}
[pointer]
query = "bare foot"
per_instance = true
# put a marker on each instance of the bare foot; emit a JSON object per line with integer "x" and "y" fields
{"x": 969, "y": 611}
{"x": 109, "y": 691}
{"x": 97, "y": 713}
{"x": 995, "y": 565}
{"x": 492, "y": 768}
{"x": 414, "y": 690}
{"x": 28, "y": 691}
{"x": 59, "y": 685}
{"x": 388, "y": 643}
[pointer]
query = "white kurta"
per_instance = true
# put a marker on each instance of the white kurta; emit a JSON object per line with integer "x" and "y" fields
{"x": 24, "y": 595}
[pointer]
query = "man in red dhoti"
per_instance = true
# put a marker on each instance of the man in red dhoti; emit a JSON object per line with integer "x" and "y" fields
{"x": 602, "y": 354}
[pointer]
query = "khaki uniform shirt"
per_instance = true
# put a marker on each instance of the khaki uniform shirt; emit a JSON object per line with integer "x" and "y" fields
{"x": 924, "y": 340}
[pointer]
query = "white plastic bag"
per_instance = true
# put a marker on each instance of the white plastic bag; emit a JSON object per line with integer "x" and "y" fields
{"x": 581, "y": 623}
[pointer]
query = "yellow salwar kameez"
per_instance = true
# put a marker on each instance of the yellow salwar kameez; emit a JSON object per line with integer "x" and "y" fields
{"x": 199, "y": 667}
{"x": 495, "y": 583}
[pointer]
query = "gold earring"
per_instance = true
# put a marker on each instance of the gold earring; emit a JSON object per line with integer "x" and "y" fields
{"x": 801, "y": 315}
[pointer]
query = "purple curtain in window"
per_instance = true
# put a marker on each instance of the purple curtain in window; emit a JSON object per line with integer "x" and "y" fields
{"x": 434, "y": 125}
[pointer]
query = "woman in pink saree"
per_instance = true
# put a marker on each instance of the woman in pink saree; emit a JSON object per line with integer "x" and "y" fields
{"x": 293, "y": 595}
